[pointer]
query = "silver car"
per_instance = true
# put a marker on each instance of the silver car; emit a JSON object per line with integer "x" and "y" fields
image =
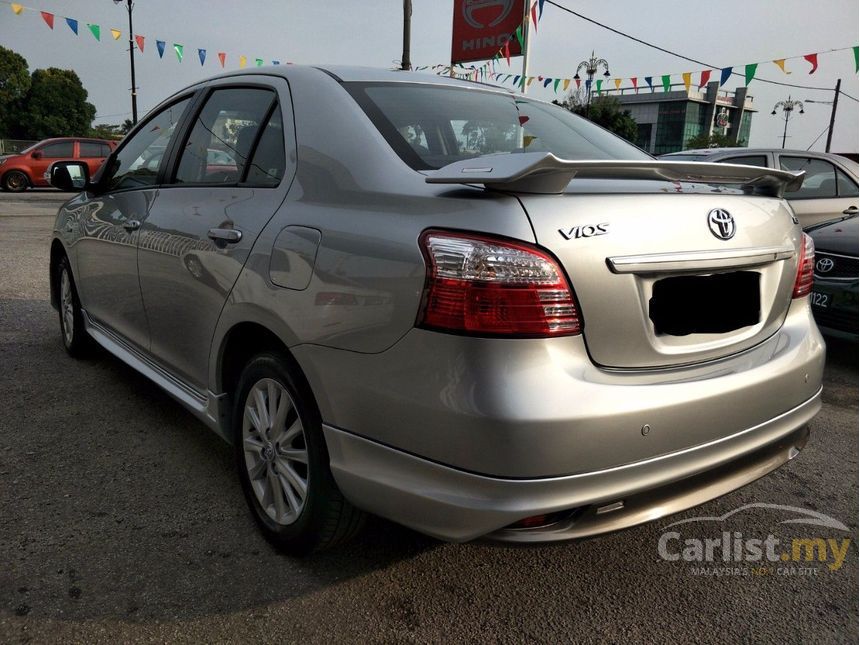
{"x": 470, "y": 312}
{"x": 829, "y": 188}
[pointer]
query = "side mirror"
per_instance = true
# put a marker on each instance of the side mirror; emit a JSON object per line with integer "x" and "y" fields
{"x": 37, "y": 154}
{"x": 71, "y": 176}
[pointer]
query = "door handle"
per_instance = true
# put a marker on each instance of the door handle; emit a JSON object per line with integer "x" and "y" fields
{"x": 131, "y": 225}
{"x": 851, "y": 210}
{"x": 227, "y": 235}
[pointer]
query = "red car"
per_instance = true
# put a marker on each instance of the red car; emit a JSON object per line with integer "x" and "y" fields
{"x": 27, "y": 168}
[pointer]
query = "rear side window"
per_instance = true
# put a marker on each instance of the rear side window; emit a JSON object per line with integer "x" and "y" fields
{"x": 138, "y": 162}
{"x": 59, "y": 150}
{"x": 270, "y": 159}
{"x": 431, "y": 126}
{"x": 748, "y": 160}
{"x": 224, "y": 134}
{"x": 820, "y": 180}
{"x": 844, "y": 185}
{"x": 93, "y": 149}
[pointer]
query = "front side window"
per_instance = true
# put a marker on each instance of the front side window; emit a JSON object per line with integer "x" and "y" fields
{"x": 61, "y": 150}
{"x": 433, "y": 126}
{"x": 820, "y": 180}
{"x": 221, "y": 141}
{"x": 138, "y": 162}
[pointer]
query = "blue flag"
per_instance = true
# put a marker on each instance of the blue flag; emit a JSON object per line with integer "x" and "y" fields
{"x": 202, "y": 54}
{"x": 547, "y": 81}
{"x": 73, "y": 25}
{"x": 160, "y": 44}
{"x": 725, "y": 74}
{"x": 649, "y": 80}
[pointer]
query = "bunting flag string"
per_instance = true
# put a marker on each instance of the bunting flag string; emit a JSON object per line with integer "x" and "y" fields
{"x": 49, "y": 18}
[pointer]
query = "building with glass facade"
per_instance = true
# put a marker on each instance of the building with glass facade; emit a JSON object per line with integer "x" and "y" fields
{"x": 668, "y": 120}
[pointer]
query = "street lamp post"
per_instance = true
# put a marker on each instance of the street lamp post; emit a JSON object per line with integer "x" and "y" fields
{"x": 591, "y": 66}
{"x": 130, "y": 6}
{"x": 788, "y": 107}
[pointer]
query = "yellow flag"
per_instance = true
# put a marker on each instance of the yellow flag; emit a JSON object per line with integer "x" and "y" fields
{"x": 566, "y": 84}
{"x": 617, "y": 83}
{"x": 17, "y": 9}
{"x": 687, "y": 76}
{"x": 531, "y": 79}
{"x": 527, "y": 140}
{"x": 243, "y": 61}
{"x": 780, "y": 62}
{"x": 116, "y": 33}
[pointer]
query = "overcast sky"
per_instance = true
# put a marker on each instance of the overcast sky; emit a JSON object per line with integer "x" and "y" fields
{"x": 368, "y": 32}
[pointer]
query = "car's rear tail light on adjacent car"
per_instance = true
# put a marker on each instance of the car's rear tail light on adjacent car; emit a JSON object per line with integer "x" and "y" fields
{"x": 483, "y": 285}
{"x": 805, "y": 268}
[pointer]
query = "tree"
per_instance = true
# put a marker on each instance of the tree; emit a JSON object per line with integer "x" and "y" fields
{"x": 108, "y": 131}
{"x": 14, "y": 84}
{"x": 715, "y": 140}
{"x": 605, "y": 111}
{"x": 56, "y": 105}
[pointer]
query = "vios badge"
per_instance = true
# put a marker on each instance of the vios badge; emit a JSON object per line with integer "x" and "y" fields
{"x": 824, "y": 265}
{"x": 721, "y": 223}
{"x": 471, "y": 6}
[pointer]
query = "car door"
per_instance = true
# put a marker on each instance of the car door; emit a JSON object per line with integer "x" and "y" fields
{"x": 44, "y": 156}
{"x": 106, "y": 249}
{"x": 206, "y": 218}
{"x": 827, "y": 191}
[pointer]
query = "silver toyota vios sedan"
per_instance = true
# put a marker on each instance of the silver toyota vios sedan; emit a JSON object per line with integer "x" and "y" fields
{"x": 452, "y": 306}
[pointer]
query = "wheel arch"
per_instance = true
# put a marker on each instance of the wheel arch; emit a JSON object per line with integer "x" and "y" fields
{"x": 23, "y": 170}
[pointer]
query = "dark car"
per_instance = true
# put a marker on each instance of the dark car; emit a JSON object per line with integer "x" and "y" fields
{"x": 834, "y": 293}
{"x": 27, "y": 168}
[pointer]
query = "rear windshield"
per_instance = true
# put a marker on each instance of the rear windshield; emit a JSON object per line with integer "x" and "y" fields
{"x": 431, "y": 126}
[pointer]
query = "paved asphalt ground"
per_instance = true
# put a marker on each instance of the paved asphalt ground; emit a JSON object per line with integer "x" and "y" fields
{"x": 121, "y": 520}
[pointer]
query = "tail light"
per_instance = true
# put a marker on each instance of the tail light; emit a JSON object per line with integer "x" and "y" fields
{"x": 805, "y": 268}
{"x": 483, "y": 285}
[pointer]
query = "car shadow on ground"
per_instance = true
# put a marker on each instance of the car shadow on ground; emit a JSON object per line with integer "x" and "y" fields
{"x": 116, "y": 501}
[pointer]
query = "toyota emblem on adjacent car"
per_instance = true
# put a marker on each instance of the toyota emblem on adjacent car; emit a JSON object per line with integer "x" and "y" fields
{"x": 470, "y": 6}
{"x": 721, "y": 223}
{"x": 824, "y": 265}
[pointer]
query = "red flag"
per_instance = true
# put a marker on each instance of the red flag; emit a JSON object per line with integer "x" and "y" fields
{"x": 508, "y": 51}
{"x": 139, "y": 40}
{"x": 222, "y": 56}
{"x": 812, "y": 59}
{"x": 48, "y": 18}
{"x": 704, "y": 78}
{"x": 534, "y": 15}
{"x": 635, "y": 82}
{"x": 578, "y": 82}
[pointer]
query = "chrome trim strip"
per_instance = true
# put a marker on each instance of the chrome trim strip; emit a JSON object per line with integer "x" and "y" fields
{"x": 698, "y": 260}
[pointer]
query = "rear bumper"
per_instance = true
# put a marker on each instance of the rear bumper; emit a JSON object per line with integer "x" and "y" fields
{"x": 458, "y": 506}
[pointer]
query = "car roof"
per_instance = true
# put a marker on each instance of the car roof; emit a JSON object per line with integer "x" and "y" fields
{"x": 707, "y": 152}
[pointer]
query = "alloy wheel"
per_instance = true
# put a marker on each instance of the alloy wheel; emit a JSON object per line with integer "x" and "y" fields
{"x": 67, "y": 306}
{"x": 275, "y": 450}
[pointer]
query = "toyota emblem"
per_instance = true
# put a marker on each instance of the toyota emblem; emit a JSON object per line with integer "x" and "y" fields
{"x": 722, "y": 224}
{"x": 824, "y": 265}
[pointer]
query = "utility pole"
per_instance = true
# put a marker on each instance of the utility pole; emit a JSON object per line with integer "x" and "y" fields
{"x": 405, "y": 63}
{"x": 833, "y": 115}
{"x": 130, "y": 6}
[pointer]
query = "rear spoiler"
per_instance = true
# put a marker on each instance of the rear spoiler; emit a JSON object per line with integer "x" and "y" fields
{"x": 543, "y": 172}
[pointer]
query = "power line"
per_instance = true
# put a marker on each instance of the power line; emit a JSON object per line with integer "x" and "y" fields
{"x": 676, "y": 54}
{"x": 818, "y": 137}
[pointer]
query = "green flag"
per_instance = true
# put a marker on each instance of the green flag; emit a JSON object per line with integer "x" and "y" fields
{"x": 667, "y": 82}
{"x": 178, "y": 49}
{"x": 555, "y": 85}
{"x": 856, "y": 61}
{"x": 599, "y": 83}
{"x": 519, "y": 35}
{"x": 750, "y": 71}
{"x": 96, "y": 31}
{"x": 259, "y": 62}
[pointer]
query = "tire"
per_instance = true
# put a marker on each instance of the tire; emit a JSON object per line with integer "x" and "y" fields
{"x": 283, "y": 462}
{"x": 74, "y": 336}
{"x": 15, "y": 181}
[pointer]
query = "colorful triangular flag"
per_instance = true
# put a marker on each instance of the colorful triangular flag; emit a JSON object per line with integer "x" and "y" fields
{"x": 139, "y": 40}
{"x": 201, "y": 54}
{"x": 617, "y": 83}
{"x": 179, "y": 50}
{"x": 725, "y": 74}
{"x": 259, "y": 62}
{"x": 17, "y": 8}
{"x": 73, "y": 25}
{"x": 96, "y": 31}
{"x": 812, "y": 59}
{"x": 649, "y": 80}
{"x": 242, "y": 61}
{"x": 116, "y": 33}
{"x": 856, "y": 59}
{"x": 780, "y": 62}
{"x": 749, "y": 72}
{"x": 635, "y": 81}
{"x": 160, "y": 45}
{"x": 222, "y": 56}
{"x": 688, "y": 80}
{"x": 704, "y": 78}
{"x": 667, "y": 82}
{"x": 48, "y": 18}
